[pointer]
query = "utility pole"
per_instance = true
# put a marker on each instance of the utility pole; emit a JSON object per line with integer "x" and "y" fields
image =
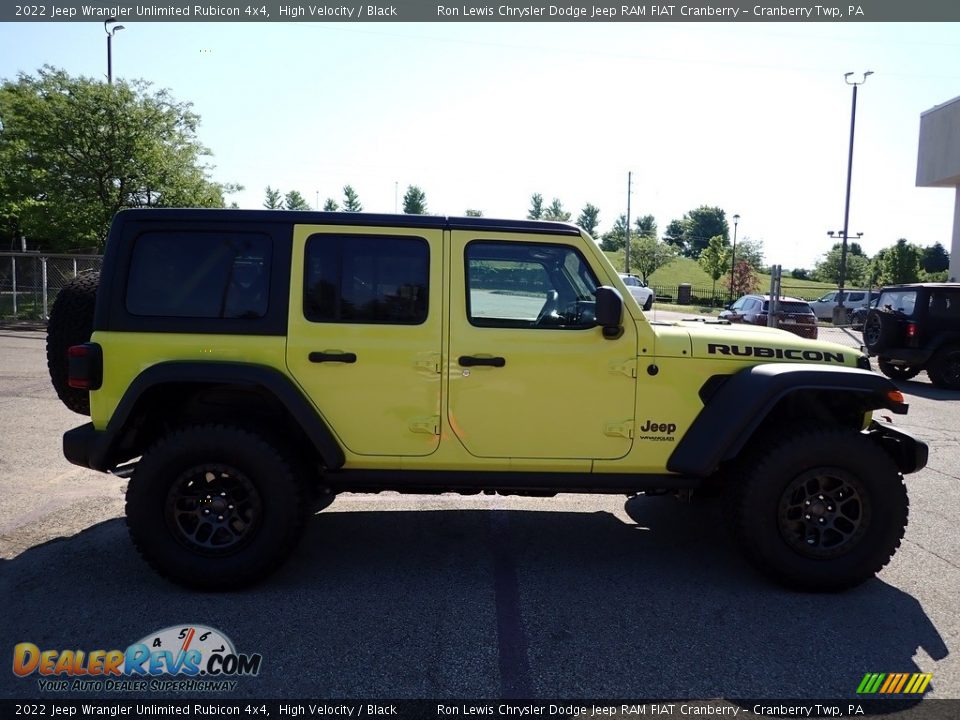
{"x": 840, "y": 312}
{"x": 110, "y": 31}
{"x": 627, "y": 245}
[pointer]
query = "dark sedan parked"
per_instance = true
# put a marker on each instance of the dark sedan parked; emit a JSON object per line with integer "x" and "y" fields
{"x": 795, "y": 315}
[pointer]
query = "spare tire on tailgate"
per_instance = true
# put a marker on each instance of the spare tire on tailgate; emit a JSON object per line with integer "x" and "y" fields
{"x": 71, "y": 323}
{"x": 880, "y": 330}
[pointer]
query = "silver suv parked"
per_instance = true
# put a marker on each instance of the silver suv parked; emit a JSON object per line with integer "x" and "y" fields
{"x": 853, "y": 299}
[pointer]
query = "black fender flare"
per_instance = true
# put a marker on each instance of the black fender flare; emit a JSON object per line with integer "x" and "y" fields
{"x": 735, "y": 406}
{"x": 100, "y": 446}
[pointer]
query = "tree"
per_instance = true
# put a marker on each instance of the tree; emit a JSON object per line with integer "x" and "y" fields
{"x": 901, "y": 263}
{"x": 935, "y": 259}
{"x": 646, "y": 226}
{"x": 648, "y": 255}
{"x": 293, "y": 200}
{"x": 74, "y": 151}
{"x": 800, "y": 274}
{"x": 589, "y": 219}
{"x": 702, "y": 224}
{"x": 858, "y": 266}
{"x": 674, "y": 235}
{"x": 556, "y": 212}
{"x": 536, "y": 207}
{"x": 875, "y": 269}
{"x": 330, "y": 205}
{"x": 414, "y": 201}
{"x": 473, "y": 213}
{"x": 271, "y": 199}
{"x": 745, "y": 280}
{"x": 616, "y": 237}
{"x": 351, "y": 201}
{"x": 752, "y": 252}
{"x": 715, "y": 259}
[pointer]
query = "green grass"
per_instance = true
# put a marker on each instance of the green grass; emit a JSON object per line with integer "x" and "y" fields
{"x": 685, "y": 270}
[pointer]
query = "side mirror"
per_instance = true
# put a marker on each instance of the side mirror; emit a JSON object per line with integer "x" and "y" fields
{"x": 609, "y": 312}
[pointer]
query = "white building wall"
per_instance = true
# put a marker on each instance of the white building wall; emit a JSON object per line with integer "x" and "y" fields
{"x": 938, "y": 164}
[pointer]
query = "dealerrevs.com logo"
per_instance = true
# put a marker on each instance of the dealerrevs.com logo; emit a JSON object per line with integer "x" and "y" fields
{"x": 185, "y": 657}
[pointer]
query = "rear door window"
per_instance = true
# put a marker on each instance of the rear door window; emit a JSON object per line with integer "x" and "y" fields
{"x": 366, "y": 279}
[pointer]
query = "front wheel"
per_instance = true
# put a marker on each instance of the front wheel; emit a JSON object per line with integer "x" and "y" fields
{"x": 214, "y": 507}
{"x": 649, "y": 303}
{"x": 821, "y": 510}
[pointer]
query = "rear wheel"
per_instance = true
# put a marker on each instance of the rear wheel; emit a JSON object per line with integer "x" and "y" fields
{"x": 71, "y": 323}
{"x": 897, "y": 372}
{"x": 214, "y": 507}
{"x": 944, "y": 368}
{"x": 822, "y": 510}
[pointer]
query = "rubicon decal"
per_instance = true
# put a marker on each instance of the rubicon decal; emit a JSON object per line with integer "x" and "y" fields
{"x": 189, "y": 651}
{"x": 758, "y": 351}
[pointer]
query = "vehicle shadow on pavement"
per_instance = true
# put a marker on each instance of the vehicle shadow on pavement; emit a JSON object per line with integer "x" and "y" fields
{"x": 485, "y": 604}
{"x": 926, "y": 390}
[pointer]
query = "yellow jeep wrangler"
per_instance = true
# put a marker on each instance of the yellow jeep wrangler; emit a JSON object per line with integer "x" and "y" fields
{"x": 234, "y": 363}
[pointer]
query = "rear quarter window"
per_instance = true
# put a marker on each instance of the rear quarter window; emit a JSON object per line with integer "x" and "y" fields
{"x": 199, "y": 275}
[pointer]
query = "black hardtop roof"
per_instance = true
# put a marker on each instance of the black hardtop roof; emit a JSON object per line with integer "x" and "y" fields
{"x": 305, "y": 217}
{"x": 914, "y": 286}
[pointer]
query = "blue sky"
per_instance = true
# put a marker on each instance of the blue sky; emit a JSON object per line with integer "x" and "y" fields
{"x": 750, "y": 117}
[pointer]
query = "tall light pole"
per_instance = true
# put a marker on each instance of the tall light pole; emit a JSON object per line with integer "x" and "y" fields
{"x": 733, "y": 256}
{"x": 839, "y": 312}
{"x": 110, "y": 31}
{"x": 626, "y": 254}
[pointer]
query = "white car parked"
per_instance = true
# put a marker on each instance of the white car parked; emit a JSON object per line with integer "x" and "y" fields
{"x": 823, "y": 308}
{"x": 639, "y": 290}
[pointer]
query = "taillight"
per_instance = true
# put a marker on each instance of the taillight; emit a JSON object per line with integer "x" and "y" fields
{"x": 85, "y": 366}
{"x": 913, "y": 332}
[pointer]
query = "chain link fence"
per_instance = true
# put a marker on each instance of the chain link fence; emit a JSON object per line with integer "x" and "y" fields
{"x": 29, "y": 282}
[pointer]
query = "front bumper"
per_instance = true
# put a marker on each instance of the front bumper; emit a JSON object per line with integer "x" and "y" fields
{"x": 909, "y": 453}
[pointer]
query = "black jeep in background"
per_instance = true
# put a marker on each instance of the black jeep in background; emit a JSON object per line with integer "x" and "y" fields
{"x": 915, "y": 328}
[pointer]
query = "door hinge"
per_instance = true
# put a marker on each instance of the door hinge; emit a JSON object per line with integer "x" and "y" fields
{"x": 428, "y": 361}
{"x": 628, "y": 367}
{"x": 619, "y": 429}
{"x": 426, "y": 425}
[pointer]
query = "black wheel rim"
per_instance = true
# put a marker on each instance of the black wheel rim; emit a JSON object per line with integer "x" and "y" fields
{"x": 901, "y": 371}
{"x": 871, "y": 330}
{"x": 824, "y": 513}
{"x": 213, "y": 509}
{"x": 951, "y": 369}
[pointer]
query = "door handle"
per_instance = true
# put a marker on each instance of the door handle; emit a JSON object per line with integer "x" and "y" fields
{"x": 342, "y": 357}
{"x": 473, "y": 361}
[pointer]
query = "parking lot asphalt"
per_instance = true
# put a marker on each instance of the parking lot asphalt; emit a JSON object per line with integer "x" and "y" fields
{"x": 390, "y": 596}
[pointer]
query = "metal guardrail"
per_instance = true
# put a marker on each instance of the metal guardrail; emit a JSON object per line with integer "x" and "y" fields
{"x": 29, "y": 282}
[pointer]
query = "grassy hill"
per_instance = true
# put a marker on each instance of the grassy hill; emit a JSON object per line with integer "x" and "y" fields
{"x": 685, "y": 270}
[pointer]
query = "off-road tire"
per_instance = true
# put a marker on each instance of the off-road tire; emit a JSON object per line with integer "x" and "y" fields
{"x": 944, "y": 368}
{"x": 215, "y": 507}
{"x": 794, "y": 550}
{"x": 71, "y": 323}
{"x": 880, "y": 330}
{"x": 898, "y": 372}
